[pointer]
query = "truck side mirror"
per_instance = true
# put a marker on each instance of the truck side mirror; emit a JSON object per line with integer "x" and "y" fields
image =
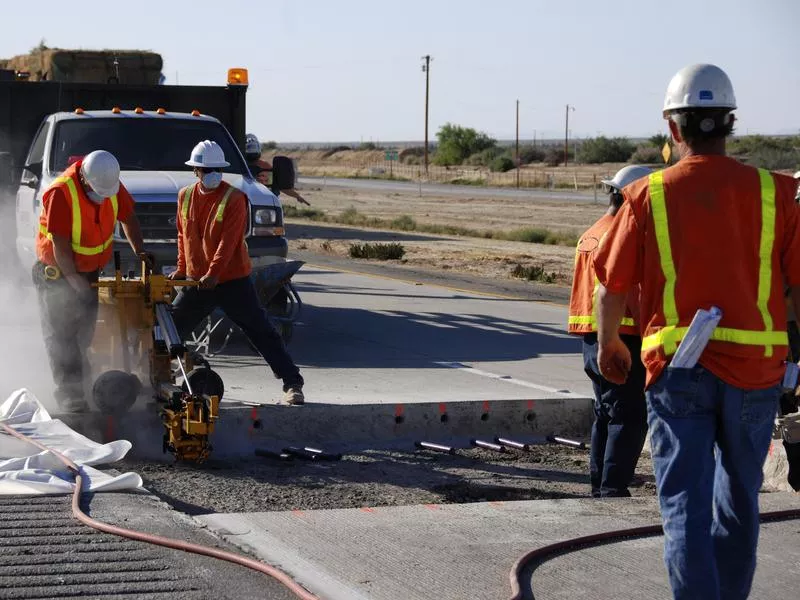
{"x": 283, "y": 175}
{"x": 30, "y": 178}
{"x": 35, "y": 169}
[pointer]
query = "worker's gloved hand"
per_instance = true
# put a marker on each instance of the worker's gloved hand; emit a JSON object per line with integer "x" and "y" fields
{"x": 176, "y": 276}
{"x": 302, "y": 200}
{"x": 208, "y": 282}
{"x": 614, "y": 360}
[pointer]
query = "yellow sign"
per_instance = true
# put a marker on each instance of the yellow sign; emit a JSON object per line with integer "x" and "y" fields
{"x": 666, "y": 152}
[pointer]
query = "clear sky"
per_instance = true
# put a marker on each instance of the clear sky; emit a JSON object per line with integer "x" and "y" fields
{"x": 347, "y": 70}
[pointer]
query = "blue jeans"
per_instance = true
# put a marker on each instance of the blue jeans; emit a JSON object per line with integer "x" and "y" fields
{"x": 709, "y": 442}
{"x": 239, "y": 301}
{"x": 620, "y": 421}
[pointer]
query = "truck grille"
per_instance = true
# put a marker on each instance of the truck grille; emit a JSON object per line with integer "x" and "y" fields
{"x": 157, "y": 220}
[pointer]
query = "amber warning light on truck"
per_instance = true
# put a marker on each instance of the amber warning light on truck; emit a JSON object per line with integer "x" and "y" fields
{"x": 237, "y": 76}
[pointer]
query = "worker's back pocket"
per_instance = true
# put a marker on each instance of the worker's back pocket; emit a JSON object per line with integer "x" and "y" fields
{"x": 681, "y": 392}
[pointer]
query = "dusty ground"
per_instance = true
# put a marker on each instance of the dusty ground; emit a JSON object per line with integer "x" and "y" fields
{"x": 477, "y": 256}
{"x": 376, "y": 478}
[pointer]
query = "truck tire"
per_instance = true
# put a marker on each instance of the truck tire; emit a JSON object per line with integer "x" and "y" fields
{"x": 283, "y": 175}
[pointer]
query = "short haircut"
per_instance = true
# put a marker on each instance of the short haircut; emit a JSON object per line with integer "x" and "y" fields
{"x": 703, "y": 124}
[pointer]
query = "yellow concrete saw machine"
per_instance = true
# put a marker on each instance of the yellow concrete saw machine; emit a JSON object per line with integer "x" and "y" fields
{"x": 136, "y": 340}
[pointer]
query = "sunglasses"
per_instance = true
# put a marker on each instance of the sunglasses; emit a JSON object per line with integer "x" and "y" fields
{"x": 206, "y": 171}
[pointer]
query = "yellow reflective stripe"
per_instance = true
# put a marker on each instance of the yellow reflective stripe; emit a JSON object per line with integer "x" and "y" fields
{"x": 765, "y": 251}
{"x": 581, "y": 320}
{"x": 77, "y": 248}
{"x": 76, "y": 213}
{"x": 590, "y": 320}
{"x": 223, "y": 203}
{"x": 661, "y": 223}
{"x": 187, "y": 197}
{"x": 672, "y": 335}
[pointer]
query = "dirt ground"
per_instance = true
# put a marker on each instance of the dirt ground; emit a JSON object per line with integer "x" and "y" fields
{"x": 477, "y": 256}
{"x": 377, "y": 478}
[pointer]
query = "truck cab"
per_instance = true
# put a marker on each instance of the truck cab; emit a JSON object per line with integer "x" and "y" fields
{"x": 151, "y": 147}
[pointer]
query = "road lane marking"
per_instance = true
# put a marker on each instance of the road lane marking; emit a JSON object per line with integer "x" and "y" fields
{"x": 509, "y": 379}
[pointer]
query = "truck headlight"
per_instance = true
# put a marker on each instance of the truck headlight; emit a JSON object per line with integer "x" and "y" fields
{"x": 265, "y": 216}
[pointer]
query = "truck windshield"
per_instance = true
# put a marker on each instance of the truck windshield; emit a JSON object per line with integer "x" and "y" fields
{"x": 140, "y": 144}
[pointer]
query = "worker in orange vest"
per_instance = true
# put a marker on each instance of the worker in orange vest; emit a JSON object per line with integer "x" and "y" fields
{"x": 74, "y": 242}
{"x": 706, "y": 232}
{"x": 212, "y": 223}
{"x": 620, "y": 412}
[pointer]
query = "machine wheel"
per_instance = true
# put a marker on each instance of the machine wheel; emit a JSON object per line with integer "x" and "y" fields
{"x": 205, "y": 381}
{"x": 115, "y": 392}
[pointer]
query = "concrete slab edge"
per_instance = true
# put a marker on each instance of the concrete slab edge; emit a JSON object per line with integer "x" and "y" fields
{"x": 242, "y": 428}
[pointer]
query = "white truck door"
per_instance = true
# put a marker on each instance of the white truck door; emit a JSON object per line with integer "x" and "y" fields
{"x": 29, "y": 197}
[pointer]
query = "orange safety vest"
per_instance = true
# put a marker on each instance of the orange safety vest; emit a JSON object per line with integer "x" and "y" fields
{"x": 92, "y": 242}
{"x": 187, "y": 200}
{"x": 758, "y": 337}
{"x": 582, "y": 303}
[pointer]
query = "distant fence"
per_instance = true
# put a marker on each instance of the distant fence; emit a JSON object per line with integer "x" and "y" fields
{"x": 531, "y": 177}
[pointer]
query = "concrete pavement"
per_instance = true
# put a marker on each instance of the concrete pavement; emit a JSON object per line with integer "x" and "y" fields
{"x": 365, "y": 339}
{"x": 453, "y": 552}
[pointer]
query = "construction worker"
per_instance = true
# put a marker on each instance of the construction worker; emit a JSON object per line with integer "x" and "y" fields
{"x": 262, "y": 169}
{"x": 620, "y": 412}
{"x": 705, "y": 232}
{"x": 789, "y": 401}
{"x": 79, "y": 214}
{"x": 212, "y": 221}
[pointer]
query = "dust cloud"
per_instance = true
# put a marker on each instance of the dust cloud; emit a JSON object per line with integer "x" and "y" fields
{"x": 23, "y": 359}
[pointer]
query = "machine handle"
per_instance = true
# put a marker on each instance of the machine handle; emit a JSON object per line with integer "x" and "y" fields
{"x": 169, "y": 332}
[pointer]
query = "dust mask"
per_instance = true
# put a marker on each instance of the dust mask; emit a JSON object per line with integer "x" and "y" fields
{"x": 95, "y": 197}
{"x": 212, "y": 180}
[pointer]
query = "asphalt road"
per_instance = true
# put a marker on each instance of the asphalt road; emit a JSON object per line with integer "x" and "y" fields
{"x": 446, "y": 189}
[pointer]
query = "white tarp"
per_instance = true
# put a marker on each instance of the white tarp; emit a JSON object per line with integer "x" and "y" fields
{"x": 26, "y": 470}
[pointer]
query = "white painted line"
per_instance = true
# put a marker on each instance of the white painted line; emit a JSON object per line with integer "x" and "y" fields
{"x": 509, "y": 379}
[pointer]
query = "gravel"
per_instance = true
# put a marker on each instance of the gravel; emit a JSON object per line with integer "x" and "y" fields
{"x": 375, "y": 478}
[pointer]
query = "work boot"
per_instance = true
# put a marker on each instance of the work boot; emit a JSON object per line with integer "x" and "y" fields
{"x": 294, "y": 396}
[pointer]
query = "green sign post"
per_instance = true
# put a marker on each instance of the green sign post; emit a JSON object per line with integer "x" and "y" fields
{"x": 391, "y": 156}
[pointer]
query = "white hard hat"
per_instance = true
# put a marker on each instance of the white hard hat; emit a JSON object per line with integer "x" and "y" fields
{"x": 699, "y": 86}
{"x": 208, "y": 155}
{"x": 100, "y": 169}
{"x": 252, "y": 145}
{"x": 626, "y": 175}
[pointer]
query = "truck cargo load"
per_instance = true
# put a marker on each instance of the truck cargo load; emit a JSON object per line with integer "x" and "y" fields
{"x": 132, "y": 67}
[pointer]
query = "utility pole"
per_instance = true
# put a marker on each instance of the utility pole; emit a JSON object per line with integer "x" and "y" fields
{"x": 566, "y": 136}
{"x": 426, "y": 68}
{"x": 517, "y": 143}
